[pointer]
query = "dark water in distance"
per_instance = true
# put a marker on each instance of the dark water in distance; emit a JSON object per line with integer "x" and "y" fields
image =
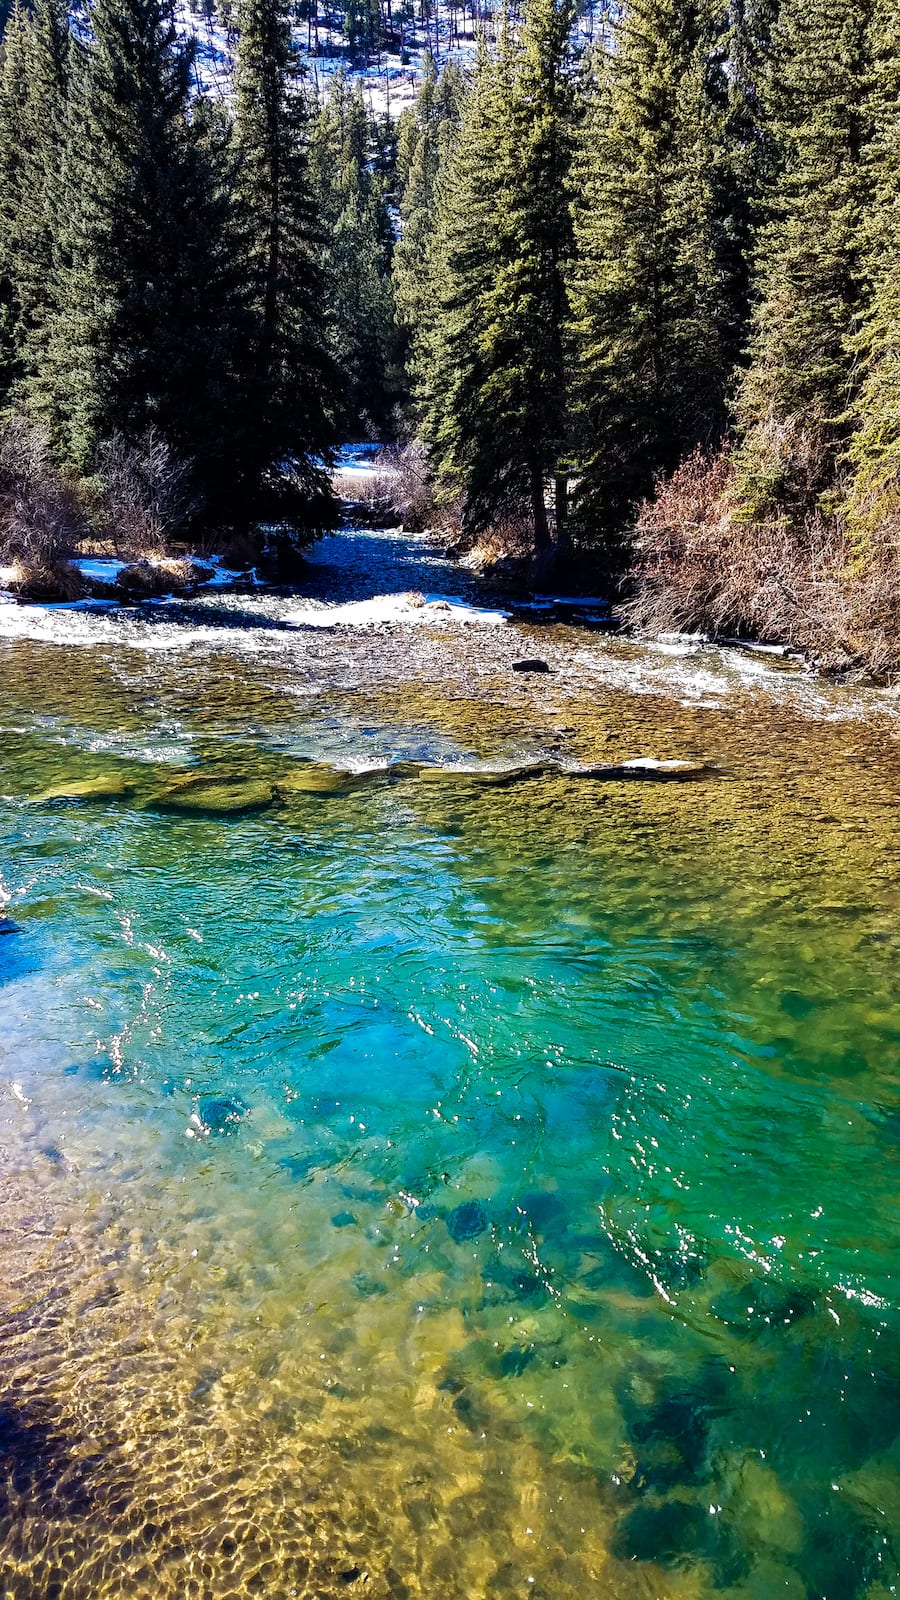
{"x": 432, "y": 1187}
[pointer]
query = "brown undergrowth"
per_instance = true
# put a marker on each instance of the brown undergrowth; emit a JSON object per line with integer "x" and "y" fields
{"x": 702, "y": 566}
{"x": 137, "y": 503}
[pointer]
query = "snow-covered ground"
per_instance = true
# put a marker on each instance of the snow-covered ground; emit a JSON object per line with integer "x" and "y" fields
{"x": 390, "y": 76}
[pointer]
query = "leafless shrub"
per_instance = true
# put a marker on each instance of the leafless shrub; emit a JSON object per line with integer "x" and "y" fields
{"x": 398, "y": 484}
{"x": 701, "y": 566}
{"x": 40, "y": 518}
{"x": 144, "y": 494}
{"x": 412, "y": 486}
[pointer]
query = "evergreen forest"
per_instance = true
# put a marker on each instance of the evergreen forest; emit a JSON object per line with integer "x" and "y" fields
{"x": 630, "y": 304}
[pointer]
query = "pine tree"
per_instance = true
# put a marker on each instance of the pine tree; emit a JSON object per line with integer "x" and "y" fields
{"x": 292, "y": 383}
{"x": 745, "y": 160}
{"x": 357, "y": 258}
{"x": 425, "y": 135}
{"x": 792, "y": 405}
{"x": 649, "y": 287}
{"x": 33, "y": 83}
{"x": 143, "y": 296}
{"x": 875, "y": 447}
{"x": 489, "y": 361}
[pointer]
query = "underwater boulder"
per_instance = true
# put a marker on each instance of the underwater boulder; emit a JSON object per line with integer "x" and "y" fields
{"x": 204, "y": 792}
{"x": 106, "y": 786}
{"x": 467, "y": 1221}
{"x": 314, "y": 777}
{"x": 221, "y": 1113}
{"x": 762, "y": 1304}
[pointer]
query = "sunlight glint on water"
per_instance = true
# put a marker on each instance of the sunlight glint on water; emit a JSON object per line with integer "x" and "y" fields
{"x": 450, "y": 1189}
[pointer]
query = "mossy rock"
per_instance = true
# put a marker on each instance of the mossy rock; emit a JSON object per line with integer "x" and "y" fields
{"x": 110, "y": 786}
{"x": 202, "y": 792}
{"x": 313, "y": 777}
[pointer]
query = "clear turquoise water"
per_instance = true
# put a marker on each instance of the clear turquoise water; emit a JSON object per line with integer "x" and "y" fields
{"x": 502, "y": 1181}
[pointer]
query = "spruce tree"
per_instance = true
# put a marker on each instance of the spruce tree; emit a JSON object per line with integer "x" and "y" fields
{"x": 143, "y": 295}
{"x": 292, "y": 384}
{"x": 425, "y": 136}
{"x": 489, "y": 360}
{"x": 33, "y": 82}
{"x": 356, "y": 258}
{"x": 745, "y": 160}
{"x": 874, "y": 497}
{"x": 792, "y": 406}
{"x": 649, "y": 288}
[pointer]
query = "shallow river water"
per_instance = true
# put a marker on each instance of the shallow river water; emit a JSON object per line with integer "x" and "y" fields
{"x": 425, "y": 1178}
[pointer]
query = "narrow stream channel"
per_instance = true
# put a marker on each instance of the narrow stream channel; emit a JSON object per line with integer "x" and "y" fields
{"x": 428, "y": 1171}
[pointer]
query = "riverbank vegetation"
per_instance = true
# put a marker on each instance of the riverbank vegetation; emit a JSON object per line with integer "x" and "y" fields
{"x": 635, "y": 305}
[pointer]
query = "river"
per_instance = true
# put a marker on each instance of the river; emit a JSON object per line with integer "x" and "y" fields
{"x": 429, "y": 1171}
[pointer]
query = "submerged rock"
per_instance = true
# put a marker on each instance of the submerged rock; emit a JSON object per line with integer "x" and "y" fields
{"x": 109, "y": 786}
{"x": 221, "y": 1113}
{"x": 313, "y": 777}
{"x": 204, "y": 792}
{"x": 763, "y": 1303}
{"x": 467, "y": 1221}
{"x": 8, "y": 926}
{"x": 302, "y": 1167}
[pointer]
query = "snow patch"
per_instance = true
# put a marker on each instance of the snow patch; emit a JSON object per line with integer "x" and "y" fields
{"x": 387, "y": 609}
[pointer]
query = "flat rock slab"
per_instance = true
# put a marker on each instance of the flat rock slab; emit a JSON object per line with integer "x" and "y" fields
{"x": 315, "y": 778}
{"x": 487, "y": 777}
{"x": 646, "y": 769}
{"x": 108, "y": 787}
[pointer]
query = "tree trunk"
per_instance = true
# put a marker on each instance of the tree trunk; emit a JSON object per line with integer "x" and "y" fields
{"x": 544, "y": 553}
{"x": 562, "y": 513}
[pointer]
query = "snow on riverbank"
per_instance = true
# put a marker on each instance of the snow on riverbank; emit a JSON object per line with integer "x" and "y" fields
{"x": 386, "y": 610}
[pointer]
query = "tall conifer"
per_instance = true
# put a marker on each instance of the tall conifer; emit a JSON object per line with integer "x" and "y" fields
{"x": 793, "y": 401}
{"x": 33, "y": 82}
{"x": 291, "y": 415}
{"x": 875, "y": 447}
{"x": 137, "y": 333}
{"x": 357, "y": 257}
{"x": 490, "y": 360}
{"x": 649, "y": 288}
{"x": 426, "y": 133}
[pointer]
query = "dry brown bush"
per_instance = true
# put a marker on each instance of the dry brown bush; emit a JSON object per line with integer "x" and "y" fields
{"x": 40, "y": 518}
{"x": 701, "y": 567}
{"x": 144, "y": 498}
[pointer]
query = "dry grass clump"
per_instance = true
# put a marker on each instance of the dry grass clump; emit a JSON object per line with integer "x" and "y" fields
{"x": 702, "y": 566}
{"x": 504, "y": 549}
